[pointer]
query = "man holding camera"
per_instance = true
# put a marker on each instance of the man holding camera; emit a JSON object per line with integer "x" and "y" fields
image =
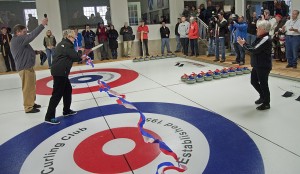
{"x": 240, "y": 31}
{"x": 220, "y": 31}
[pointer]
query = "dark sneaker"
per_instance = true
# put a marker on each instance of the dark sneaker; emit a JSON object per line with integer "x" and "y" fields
{"x": 235, "y": 62}
{"x": 216, "y": 60}
{"x": 52, "y": 121}
{"x": 289, "y": 66}
{"x": 241, "y": 63}
{"x": 33, "y": 110}
{"x": 69, "y": 113}
{"x": 222, "y": 61}
{"x": 263, "y": 107}
{"x": 259, "y": 101}
{"x": 37, "y": 106}
{"x": 295, "y": 66}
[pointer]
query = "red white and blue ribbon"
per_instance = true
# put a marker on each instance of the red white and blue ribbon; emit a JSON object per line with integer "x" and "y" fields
{"x": 148, "y": 138}
{"x": 89, "y": 61}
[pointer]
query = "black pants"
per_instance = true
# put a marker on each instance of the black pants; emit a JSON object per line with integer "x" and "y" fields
{"x": 194, "y": 46}
{"x": 145, "y": 43}
{"x": 61, "y": 88}
{"x": 185, "y": 45}
{"x": 9, "y": 61}
{"x": 259, "y": 80}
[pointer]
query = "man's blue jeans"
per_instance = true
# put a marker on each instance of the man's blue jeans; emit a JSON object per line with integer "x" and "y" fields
{"x": 292, "y": 44}
{"x": 220, "y": 44}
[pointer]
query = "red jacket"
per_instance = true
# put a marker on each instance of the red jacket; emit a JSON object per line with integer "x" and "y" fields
{"x": 102, "y": 34}
{"x": 194, "y": 31}
{"x": 145, "y": 29}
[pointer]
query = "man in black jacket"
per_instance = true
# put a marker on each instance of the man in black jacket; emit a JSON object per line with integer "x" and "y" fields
{"x": 261, "y": 61}
{"x": 127, "y": 33}
{"x": 220, "y": 31}
{"x": 178, "y": 47}
{"x": 62, "y": 63}
{"x": 165, "y": 41}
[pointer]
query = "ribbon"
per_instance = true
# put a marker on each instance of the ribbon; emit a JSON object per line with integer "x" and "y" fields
{"x": 89, "y": 61}
{"x": 148, "y": 138}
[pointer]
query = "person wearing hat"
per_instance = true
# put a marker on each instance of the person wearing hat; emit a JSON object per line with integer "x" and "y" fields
{"x": 143, "y": 31}
{"x": 5, "y": 39}
{"x": 279, "y": 39}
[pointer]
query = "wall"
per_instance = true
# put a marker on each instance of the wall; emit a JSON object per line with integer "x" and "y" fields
{"x": 51, "y": 8}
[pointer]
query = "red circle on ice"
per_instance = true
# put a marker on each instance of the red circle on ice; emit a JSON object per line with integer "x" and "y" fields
{"x": 89, "y": 155}
{"x": 126, "y": 77}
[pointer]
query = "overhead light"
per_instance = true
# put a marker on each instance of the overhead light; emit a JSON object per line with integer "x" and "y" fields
{"x": 27, "y": 1}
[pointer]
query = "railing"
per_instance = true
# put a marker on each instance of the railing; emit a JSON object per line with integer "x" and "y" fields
{"x": 203, "y": 30}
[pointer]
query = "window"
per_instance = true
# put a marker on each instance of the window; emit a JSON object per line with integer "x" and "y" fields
{"x": 103, "y": 10}
{"x": 88, "y": 11}
{"x": 134, "y": 13}
{"x": 31, "y": 19}
{"x": 15, "y": 12}
{"x": 78, "y": 13}
{"x": 151, "y": 11}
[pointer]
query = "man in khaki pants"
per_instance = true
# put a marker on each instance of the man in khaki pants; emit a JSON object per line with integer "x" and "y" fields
{"x": 127, "y": 33}
{"x": 24, "y": 57}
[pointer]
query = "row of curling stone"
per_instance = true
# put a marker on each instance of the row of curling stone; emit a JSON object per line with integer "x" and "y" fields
{"x": 217, "y": 74}
{"x": 141, "y": 59}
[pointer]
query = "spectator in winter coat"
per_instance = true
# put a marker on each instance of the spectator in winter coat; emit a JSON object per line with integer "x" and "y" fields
{"x": 165, "y": 35}
{"x": 178, "y": 47}
{"x": 220, "y": 31}
{"x": 5, "y": 39}
{"x": 193, "y": 36}
{"x": 49, "y": 43}
{"x": 102, "y": 35}
{"x": 89, "y": 40}
{"x": 113, "y": 41}
{"x": 252, "y": 28}
{"x": 127, "y": 33}
{"x": 183, "y": 30}
{"x": 240, "y": 31}
{"x": 279, "y": 39}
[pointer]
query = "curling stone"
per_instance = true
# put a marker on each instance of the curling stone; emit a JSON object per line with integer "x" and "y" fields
{"x": 246, "y": 70}
{"x": 199, "y": 78}
{"x": 184, "y": 77}
{"x": 190, "y": 80}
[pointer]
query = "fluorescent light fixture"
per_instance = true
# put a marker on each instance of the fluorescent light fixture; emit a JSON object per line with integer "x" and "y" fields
{"x": 27, "y": 1}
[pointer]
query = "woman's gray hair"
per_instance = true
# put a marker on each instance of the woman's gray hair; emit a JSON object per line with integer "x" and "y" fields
{"x": 68, "y": 32}
{"x": 264, "y": 24}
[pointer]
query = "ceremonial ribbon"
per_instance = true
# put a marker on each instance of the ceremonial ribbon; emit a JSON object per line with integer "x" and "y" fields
{"x": 89, "y": 61}
{"x": 148, "y": 138}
